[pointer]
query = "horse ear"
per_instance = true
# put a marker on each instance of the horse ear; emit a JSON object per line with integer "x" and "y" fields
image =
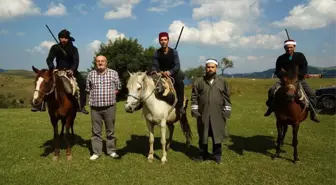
{"x": 129, "y": 73}
{"x": 35, "y": 69}
{"x": 283, "y": 70}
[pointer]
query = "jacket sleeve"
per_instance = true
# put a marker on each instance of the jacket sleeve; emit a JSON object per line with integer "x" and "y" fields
{"x": 303, "y": 66}
{"x": 227, "y": 101}
{"x": 176, "y": 63}
{"x": 155, "y": 62}
{"x": 194, "y": 96}
{"x": 278, "y": 71}
{"x": 75, "y": 61}
{"x": 51, "y": 57}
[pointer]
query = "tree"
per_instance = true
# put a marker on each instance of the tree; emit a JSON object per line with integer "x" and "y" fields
{"x": 195, "y": 72}
{"x": 225, "y": 63}
{"x": 124, "y": 55}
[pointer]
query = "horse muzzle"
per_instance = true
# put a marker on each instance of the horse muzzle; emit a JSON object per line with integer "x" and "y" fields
{"x": 129, "y": 108}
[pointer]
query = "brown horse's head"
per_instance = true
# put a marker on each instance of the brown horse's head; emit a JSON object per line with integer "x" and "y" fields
{"x": 44, "y": 85}
{"x": 290, "y": 83}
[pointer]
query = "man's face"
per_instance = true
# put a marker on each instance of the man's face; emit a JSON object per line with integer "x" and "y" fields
{"x": 210, "y": 69}
{"x": 64, "y": 40}
{"x": 164, "y": 42}
{"x": 290, "y": 49}
{"x": 101, "y": 63}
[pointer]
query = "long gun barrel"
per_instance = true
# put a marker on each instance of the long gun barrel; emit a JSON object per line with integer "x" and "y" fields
{"x": 55, "y": 39}
{"x": 178, "y": 40}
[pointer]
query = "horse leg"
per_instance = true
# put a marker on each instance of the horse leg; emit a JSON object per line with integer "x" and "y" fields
{"x": 284, "y": 131}
{"x": 62, "y": 131}
{"x": 295, "y": 141}
{"x": 279, "y": 128}
{"x": 56, "y": 140}
{"x": 151, "y": 141}
{"x": 163, "y": 141}
{"x": 171, "y": 133}
{"x": 68, "y": 123}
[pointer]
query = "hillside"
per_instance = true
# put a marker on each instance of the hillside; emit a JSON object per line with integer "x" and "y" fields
{"x": 327, "y": 72}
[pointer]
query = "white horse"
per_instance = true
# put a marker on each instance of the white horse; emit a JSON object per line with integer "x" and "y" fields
{"x": 141, "y": 88}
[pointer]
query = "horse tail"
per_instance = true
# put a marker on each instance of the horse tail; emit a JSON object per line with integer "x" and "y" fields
{"x": 186, "y": 126}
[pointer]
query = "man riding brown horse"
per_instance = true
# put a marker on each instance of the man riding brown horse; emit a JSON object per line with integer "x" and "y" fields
{"x": 67, "y": 58}
{"x": 287, "y": 61}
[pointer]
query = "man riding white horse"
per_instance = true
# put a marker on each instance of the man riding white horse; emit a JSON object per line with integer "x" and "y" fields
{"x": 166, "y": 60}
{"x": 286, "y": 61}
{"x": 67, "y": 58}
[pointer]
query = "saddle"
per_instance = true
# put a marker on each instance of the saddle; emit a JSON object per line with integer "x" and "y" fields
{"x": 69, "y": 83}
{"x": 164, "y": 89}
{"x": 303, "y": 99}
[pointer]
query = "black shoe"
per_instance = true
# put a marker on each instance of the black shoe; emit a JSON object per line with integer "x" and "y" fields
{"x": 313, "y": 117}
{"x": 218, "y": 159}
{"x": 84, "y": 111}
{"x": 35, "y": 109}
{"x": 38, "y": 108}
{"x": 268, "y": 112}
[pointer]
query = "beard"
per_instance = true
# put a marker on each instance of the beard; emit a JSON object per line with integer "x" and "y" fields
{"x": 67, "y": 47}
{"x": 210, "y": 75}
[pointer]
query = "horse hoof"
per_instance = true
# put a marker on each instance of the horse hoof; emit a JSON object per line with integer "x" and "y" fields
{"x": 150, "y": 160}
{"x": 69, "y": 157}
{"x": 55, "y": 158}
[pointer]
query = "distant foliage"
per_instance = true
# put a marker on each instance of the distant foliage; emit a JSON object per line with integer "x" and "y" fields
{"x": 8, "y": 101}
{"x": 124, "y": 55}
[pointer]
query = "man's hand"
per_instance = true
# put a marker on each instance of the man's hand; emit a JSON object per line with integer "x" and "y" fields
{"x": 195, "y": 113}
{"x": 166, "y": 73}
{"x": 70, "y": 72}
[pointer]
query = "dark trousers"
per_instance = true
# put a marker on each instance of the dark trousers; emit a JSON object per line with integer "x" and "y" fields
{"x": 216, "y": 148}
{"x": 98, "y": 114}
{"x": 179, "y": 87}
{"x": 82, "y": 85}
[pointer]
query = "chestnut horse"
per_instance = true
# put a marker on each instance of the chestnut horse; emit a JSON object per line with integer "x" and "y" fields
{"x": 61, "y": 106}
{"x": 289, "y": 109}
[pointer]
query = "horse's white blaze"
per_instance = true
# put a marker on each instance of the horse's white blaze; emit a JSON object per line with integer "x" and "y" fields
{"x": 37, "y": 88}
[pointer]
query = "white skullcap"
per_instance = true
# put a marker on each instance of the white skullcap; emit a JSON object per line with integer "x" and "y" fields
{"x": 292, "y": 42}
{"x": 211, "y": 61}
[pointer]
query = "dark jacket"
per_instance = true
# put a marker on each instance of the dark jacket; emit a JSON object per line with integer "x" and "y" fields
{"x": 166, "y": 62}
{"x": 68, "y": 61}
{"x": 284, "y": 61}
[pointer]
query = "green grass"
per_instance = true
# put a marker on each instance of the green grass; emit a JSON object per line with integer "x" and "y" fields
{"x": 25, "y": 144}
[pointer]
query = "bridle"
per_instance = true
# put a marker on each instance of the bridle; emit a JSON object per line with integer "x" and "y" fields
{"x": 51, "y": 90}
{"x": 138, "y": 97}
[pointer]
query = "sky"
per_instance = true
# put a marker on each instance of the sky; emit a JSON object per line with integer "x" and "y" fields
{"x": 249, "y": 32}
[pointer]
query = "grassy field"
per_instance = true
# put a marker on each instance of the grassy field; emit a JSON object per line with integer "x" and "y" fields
{"x": 25, "y": 149}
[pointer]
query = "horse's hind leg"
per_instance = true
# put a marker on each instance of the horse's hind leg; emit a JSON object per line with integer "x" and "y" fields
{"x": 151, "y": 141}
{"x": 69, "y": 122}
{"x": 295, "y": 142}
{"x": 56, "y": 140}
{"x": 171, "y": 133}
{"x": 279, "y": 128}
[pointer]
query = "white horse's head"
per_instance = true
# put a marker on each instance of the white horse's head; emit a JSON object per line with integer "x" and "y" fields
{"x": 136, "y": 91}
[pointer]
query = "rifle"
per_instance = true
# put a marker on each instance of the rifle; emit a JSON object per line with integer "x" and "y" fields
{"x": 56, "y": 40}
{"x": 178, "y": 40}
{"x": 287, "y": 34}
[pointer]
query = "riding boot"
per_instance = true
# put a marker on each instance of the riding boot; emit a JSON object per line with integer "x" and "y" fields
{"x": 269, "y": 104}
{"x": 40, "y": 108}
{"x": 204, "y": 155}
{"x": 313, "y": 115}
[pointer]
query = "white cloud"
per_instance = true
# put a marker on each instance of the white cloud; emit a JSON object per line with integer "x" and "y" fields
{"x": 20, "y": 33}
{"x": 82, "y": 8}
{"x": 43, "y": 47}
{"x": 17, "y": 8}
{"x": 316, "y": 14}
{"x": 3, "y": 32}
{"x": 56, "y": 10}
{"x": 110, "y": 35}
{"x": 120, "y": 8}
{"x": 164, "y": 5}
{"x": 226, "y": 28}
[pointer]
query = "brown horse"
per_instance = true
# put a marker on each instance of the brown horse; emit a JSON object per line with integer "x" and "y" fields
{"x": 61, "y": 106}
{"x": 289, "y": 110}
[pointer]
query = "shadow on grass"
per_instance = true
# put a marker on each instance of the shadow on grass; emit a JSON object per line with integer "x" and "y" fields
{"x": 75, "y": 140}
{"x": 140, "y": 145}
{"x": 257, "y": 144}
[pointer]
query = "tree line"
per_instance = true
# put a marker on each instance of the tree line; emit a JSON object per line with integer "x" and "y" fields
{"x": 126, "y": 54}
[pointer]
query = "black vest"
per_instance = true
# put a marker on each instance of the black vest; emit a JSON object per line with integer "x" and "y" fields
{"x": 166, "y": 61}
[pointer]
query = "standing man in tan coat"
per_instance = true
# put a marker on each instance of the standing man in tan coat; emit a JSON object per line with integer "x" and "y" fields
{"x": 211, "y": 105}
